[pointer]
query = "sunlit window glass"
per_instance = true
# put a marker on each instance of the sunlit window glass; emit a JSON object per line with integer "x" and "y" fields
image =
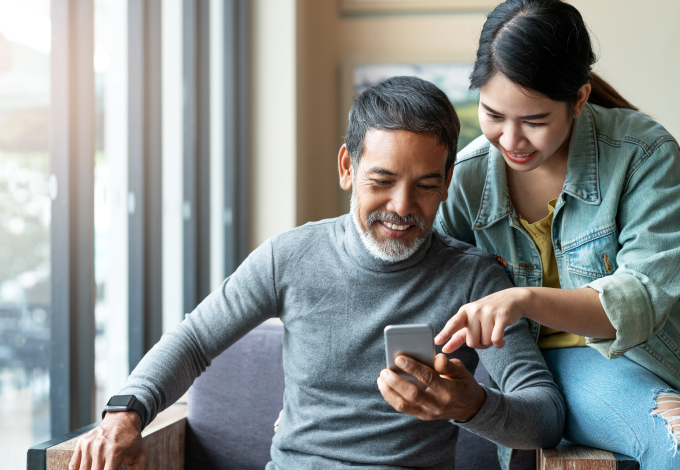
{"x": 110, "y": 204}
{"x": 24, "y": 228}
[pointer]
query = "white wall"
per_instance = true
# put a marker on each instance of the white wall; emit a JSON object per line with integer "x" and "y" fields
{"x": 273, "y": 121}
{"x": 298, "y": 48}
{"x": 637, "y": 42}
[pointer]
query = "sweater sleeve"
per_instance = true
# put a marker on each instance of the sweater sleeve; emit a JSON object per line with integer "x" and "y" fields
{"x": 528, "y": 410}
{"x": 244, "y": 300}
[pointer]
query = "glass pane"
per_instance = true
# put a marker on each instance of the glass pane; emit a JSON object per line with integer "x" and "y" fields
{"x": 24, "y": 228}
{"x": 110, "y": 204}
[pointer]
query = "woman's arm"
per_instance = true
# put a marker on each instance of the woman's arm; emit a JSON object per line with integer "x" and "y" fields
{"x": 482, "y": 323}
{"x": 622, "y": 310}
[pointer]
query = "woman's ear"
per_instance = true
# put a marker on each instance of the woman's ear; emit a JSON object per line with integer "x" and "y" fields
{"x": 581, "y": 100}
{"x": 345, "y": 168}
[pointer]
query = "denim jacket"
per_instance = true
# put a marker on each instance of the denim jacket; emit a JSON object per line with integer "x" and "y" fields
{"x": 616, "y": 229}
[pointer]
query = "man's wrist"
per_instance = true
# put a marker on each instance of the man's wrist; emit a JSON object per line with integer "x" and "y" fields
{"x": 476, "y": 403}
{"x": 126, "y": 417}
{"x": 119, "y": 403}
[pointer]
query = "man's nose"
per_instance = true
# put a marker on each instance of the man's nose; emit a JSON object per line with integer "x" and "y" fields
{"x": 401, "y": 201}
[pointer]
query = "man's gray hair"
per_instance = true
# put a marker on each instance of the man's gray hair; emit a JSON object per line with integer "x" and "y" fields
{"x": 403, "y": 103}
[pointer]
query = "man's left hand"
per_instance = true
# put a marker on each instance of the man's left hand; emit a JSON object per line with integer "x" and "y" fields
{"x": 451, "y": 393}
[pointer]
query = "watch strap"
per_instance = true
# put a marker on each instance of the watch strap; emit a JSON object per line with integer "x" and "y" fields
{"x": 134, "y": 405}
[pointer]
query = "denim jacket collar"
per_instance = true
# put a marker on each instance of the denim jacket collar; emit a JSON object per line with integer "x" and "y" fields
{"x": 582, "y": 180}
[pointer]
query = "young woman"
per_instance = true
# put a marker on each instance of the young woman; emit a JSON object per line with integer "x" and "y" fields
{"x": 577, "y": 195}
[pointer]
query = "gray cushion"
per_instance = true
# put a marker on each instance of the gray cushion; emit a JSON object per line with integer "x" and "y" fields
{"x": 234, "y": 403}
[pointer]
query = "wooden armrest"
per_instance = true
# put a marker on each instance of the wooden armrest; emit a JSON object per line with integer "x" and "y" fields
{"x": 573, "y": 457}
{"x": 163, "y": 443}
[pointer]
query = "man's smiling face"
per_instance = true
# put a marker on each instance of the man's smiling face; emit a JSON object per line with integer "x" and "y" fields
{"x": 396, "y": 190}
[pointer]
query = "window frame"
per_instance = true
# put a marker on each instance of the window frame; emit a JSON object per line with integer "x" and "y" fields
{"x": 72, "y": 150}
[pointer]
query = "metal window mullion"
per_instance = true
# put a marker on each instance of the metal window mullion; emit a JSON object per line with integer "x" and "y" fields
{"x": 154, "y": 199}
{"x": 243, "y": 118}
{"x": 203, "y": 150}
{"x": 144, "y": 177}
{"x": 189, "y": 63}
{"x": 236, "y": 103}
{"x": 72, "y": 228}
{"x": 196, "y": 152}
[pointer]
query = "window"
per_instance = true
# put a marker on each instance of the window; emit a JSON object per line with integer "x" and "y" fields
{"x": 110, "y": 199}
{"x": 25, "y": 312}
{"x": 95, "y": 200}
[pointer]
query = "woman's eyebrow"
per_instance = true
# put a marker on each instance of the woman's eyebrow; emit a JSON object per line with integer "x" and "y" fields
{"x": 529, "y": 117}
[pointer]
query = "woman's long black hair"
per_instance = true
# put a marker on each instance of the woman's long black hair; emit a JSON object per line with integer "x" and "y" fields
{"x": 543, "y": 46}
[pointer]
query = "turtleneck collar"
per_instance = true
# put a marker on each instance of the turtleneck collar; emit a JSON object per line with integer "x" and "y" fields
{"x": 358, "y": 252}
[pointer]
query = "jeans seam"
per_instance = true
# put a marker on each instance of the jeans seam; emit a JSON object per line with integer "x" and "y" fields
{"x": 632, "y": 429}
{"x": 669, "y": 342}
{"x": 584, "y": 272}
{"x": 588, "y": 238}
{"x": 661, "y": 360}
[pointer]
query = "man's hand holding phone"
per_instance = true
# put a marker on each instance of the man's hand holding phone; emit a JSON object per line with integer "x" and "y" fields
{"x": 425, "y": 388}
{"x": 452, "y": 392}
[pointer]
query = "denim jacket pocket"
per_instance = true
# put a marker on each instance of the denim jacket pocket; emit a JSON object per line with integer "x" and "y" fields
{"x": 593, "y": 256}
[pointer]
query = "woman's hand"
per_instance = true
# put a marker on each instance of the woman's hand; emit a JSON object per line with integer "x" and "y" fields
{"x": 482, "y": 323}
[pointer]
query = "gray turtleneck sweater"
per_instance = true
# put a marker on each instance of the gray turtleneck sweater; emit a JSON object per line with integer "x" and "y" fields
{"x": 334, "y": 300}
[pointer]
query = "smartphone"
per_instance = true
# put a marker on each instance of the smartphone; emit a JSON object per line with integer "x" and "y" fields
{"x": 415, "y": 341}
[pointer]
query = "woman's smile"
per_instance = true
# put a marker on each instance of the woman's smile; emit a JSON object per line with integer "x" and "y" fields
{"x": 520, "y": 158}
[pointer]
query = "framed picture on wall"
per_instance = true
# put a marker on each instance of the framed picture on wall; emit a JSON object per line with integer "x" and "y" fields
{"x": 399, "y": 6}
{"x": 449, "y": 73}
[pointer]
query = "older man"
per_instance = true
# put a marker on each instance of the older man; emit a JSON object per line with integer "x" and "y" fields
{"x": 335, "y": 285}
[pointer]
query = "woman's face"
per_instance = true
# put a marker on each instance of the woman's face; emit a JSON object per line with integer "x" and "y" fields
{"x": 526, "y": 127}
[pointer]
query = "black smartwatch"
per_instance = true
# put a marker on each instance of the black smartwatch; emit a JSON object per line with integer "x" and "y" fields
{"x": 126, "y": 403}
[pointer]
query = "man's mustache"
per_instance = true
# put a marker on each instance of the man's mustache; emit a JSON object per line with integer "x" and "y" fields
{"x": 394, "y": 218}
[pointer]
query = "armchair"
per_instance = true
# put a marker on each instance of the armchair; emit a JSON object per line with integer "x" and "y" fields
{"x": 228, "y": 422}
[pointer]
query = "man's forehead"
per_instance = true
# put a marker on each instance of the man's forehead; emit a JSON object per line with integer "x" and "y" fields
{"x": 394, "y": 151}
{"x": 399, "y": 138}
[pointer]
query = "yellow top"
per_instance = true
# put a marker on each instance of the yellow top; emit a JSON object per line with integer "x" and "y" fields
{"x": 550, "y": 338}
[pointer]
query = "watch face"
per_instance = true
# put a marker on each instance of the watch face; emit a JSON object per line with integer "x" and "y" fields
{"x": 121, "y": 400}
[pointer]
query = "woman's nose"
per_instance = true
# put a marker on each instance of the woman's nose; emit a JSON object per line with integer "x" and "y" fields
{"x": 512, "y": 138}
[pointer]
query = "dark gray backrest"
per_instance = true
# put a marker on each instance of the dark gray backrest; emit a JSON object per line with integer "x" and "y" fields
{"x": 234, "y": 403}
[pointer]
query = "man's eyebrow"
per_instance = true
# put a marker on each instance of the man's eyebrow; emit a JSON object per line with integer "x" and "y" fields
{"x": 529, "y": 117}
{"x": 437, "y": 175}
{"x": 381, "y": 171}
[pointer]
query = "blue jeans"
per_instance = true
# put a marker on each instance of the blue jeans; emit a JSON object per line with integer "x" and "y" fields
{"x": 609, "y": 404}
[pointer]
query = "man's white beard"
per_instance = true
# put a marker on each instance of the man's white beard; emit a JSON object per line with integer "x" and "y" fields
{"x": 389, "y": 250}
